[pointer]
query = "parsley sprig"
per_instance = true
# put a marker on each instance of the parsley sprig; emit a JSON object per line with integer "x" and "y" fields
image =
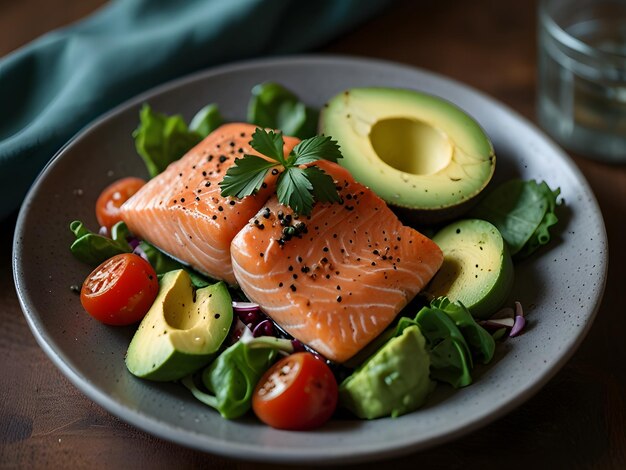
{"x": 297, "y": 187}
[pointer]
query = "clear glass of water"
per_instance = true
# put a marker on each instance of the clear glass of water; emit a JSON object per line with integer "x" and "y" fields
{"x": 582, "y": 75}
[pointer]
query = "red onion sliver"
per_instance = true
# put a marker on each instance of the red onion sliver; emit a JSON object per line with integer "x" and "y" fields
{"x": 103, "y": 231}
{"x": 506, "y": 312}
{"x": 519, "y": 312}
{"x": 140, "y": 252}
{"x": 498, "y": 323}
{"x": 265, "y": 328}
{"x": 520, "y": 323}
{"x": 245, "y": 306}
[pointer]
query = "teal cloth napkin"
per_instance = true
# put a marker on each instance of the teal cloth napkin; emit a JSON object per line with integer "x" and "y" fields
{"x": 57, "y": 84}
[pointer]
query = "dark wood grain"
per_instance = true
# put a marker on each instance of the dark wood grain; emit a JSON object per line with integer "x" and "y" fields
{"x": 578, "y": 420}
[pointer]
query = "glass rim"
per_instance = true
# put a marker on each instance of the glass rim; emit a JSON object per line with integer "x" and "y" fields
{"x": 556, "y": 31}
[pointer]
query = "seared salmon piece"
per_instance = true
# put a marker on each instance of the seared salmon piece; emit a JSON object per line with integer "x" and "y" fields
{"x": 337, "y": 278}
{"x": 182, "y": 212}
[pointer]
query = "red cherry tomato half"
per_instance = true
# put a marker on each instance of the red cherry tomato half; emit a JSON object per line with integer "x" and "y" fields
{"x": 111, "y": 199}
{"x": 298, "y": 392}
{"x": 121, "y": 290}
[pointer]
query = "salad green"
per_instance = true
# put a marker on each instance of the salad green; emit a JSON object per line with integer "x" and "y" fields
{"x": 275, "y": 107}
{"x": 161, "y": 139}
{"x": 93, "y": 248}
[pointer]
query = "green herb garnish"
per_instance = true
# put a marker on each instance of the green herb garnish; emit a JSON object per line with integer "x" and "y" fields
{"x": 297, "y": 187}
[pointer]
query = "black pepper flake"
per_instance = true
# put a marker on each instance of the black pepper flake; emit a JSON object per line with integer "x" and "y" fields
{"x": 339, "y": 298}
{"x": 274, "y": 171}
{"x": 197, "y": 198}
{"x": 217, "y": 315}
{"x": 261, "y": 255}
{"x": 458, "y": 230}
{"x": 327, "y": 276}
{"x": 180, "y": 174}
{"x": 295, "y": 276}
{"x": 264, "y": 185}
{"x": 207, "y": 184}
{"x": 239, "y": 150}
{"x": 305, "y": 269}
{"x": 214, "y": 217}
{"x": 299, "y": 259}
{"x": 290, "y": 268}
{"x": 324, "y": 260}
{"x": 220, "y": 208}
{"x": 261, "y": 226}
{"x": 375, "y": 252}
{"x": 182, "y": 199}
{"x": 325, "y": 249}
{"x": 232, "y": 203}
{"x": 338, "y": 287}
{"x": 292, "y": 287}
{"x": 373, "y": 263}
{"x": 223, "y": 158}
{"x": 280, "y": 284}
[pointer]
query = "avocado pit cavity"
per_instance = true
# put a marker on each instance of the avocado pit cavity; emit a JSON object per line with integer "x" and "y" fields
{"x": 411, "y": 145}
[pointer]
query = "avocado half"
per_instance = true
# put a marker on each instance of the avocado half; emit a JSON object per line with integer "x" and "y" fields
{"x": 182, "y": 331}
{"x": 418, "y": 152}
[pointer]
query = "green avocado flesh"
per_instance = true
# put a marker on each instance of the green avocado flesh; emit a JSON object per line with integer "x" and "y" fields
{"x": 181, "y": 332}
{"x": 414, "y": 150}
{"x": 477, "y": 268}
{"x": 393, "y": 382}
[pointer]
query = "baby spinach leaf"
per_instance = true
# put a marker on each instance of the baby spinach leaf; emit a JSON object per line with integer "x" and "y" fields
{"x": 231, "y": 378}
{"x": 274, "y": 106}
{"x": 451, "y": 359}
{"x": 93, "y": 249}
{"x": 480, "y": 342}
{"x": 206, "y": 120}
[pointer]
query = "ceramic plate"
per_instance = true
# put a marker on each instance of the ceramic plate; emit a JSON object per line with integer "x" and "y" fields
{"x": 560, "y": 287}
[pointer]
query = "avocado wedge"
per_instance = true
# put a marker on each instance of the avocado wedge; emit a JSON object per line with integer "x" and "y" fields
{"x": 477, "y": 269}
{"x": 181, "y": 332}
{"x": 418, "y": 152}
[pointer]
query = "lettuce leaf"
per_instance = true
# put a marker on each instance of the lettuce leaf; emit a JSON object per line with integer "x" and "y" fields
{"x": 523, "y": 212}
{"x": 274, "y": 106}
{"x": 161, "y": 139}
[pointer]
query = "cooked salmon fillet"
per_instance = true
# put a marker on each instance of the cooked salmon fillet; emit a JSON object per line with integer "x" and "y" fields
{"x": 182, "y": 212}
{"x": 343, "y": 276}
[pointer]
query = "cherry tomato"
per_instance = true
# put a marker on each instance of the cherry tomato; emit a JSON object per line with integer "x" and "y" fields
{"x": 298, "y": 392}
{"x": 110, "y": 200}
{"x": 121, "y": 290}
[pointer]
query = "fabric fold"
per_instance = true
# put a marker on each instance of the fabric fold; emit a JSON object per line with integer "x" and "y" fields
{"x": 60, "y": 82}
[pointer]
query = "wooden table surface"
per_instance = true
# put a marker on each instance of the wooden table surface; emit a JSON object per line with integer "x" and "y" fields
{"x": 578, "y": 420}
